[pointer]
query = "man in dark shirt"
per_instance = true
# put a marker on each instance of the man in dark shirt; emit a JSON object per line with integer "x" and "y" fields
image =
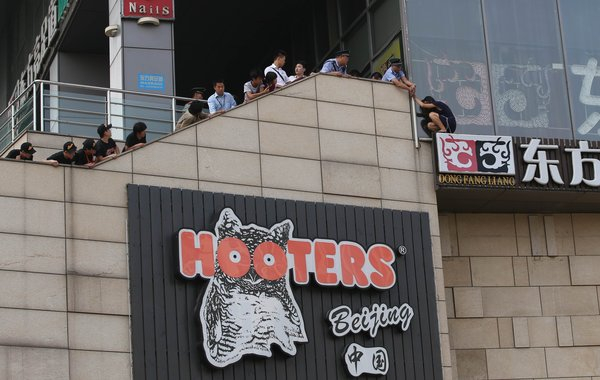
{"x": 442, "y": 118}
{"x": 137, "y": 138}
{"x": 65, "y": 156}
{"x": 25, "y": 153}
{"x": 105, "y": 147}
{"x": 85, "y": 156}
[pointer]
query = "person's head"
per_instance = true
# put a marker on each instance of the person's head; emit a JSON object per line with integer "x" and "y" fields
{"x": 89, "y": 146}
{"x": 195, "y": 107}
{"x": 300, "y": 69}
{"x": 343, "y": 57}
{"x": 428, "y": 100}
{"x": 69, "y": 150}
{"x": 354, "y": 73}
{"x": 270, "y": 79}
{"x": 198, "y": 93}
{"x": 395, "y": 64}
{"x": 376, "y": 75}
{"x": 140, "y": 129}
{"x": 104, "y": 131}
{"x": 256, "y": 77}
{"x": 26, "y": 150}
{"x": 219, "y": 86}
{"x": 279, "y": 58}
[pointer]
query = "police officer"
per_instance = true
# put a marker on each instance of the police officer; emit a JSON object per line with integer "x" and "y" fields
{"x": 65, "y": 156}
{"x": 25, "y": 153}
{"x": 337, "y": 66}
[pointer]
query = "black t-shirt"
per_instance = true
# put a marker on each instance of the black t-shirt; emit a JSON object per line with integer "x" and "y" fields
{"x": 445, "y": 110}
{"x": 105, "y": 149}
{"x": 81, "y": 158}
{"x": 133, "y": 140}
{"x": 60, "y": 157}
{"x": 15, "y": 153}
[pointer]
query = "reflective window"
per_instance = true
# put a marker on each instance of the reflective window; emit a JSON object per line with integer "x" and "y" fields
{"x": 358, "y": 44}
{"x": 448, "y": 59}
{"x": 581, "y": 29}
{"x": 527, "y": 71}
{"x": 350, "y": 10}
{"x": 385, "y": 20}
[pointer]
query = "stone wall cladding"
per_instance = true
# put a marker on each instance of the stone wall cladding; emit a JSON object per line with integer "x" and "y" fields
{"x": 324, "y": 139}
{"x": 523, "y": 295}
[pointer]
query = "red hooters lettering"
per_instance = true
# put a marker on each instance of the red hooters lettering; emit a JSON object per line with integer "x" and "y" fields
{"x": 331, "y": 263}
{"x": 196, "y": 253}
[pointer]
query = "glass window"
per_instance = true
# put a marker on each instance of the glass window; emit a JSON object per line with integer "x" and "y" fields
{"x": 350, "y": 10}
{"x": 448, "y": 59}
{"x": 358, "y": 44}
{"x": 326, "y": 25}
{"x": 581, "y": 29}
{"x": 385, "y": 22}
{"x": 527, "y": 72}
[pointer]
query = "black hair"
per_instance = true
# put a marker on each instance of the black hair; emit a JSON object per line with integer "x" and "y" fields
{"x": 218, "y": 80}
{"x": 279, "y": 53}
{"x": 354, "y": 73}
{"x": 376, "y": 75}
{"x": 303, "y": 63}
{"x": 256, "y": 74}
{"x": 270, "y": 76}
{"x": 428, "y": 99}
{"x": 139, "y": 126}
{"x": 196, "y": 107}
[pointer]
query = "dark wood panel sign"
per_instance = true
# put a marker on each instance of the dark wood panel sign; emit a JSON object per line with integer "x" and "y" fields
{"x": 516, "y": 162}
{"x": 226, "y": 286}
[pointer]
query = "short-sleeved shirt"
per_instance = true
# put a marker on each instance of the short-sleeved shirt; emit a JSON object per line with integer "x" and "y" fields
{"x": 282, "y": 77}
{"x": 391, "y": 74}
{"x": 15, "y": 153}
{"x": 133, "y": 140}
{"x": 444, "y": 109}
{"x": 331, "y": 66}
{"x": 60, "y": 157}
{"x": 248, "y": 88}
{"x": 105, "y": 149}
{"x": 221, "y": 103}
{"x": 81, "y": 158}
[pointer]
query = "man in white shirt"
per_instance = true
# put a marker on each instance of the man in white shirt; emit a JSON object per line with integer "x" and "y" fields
{"x": 276, "y": 67}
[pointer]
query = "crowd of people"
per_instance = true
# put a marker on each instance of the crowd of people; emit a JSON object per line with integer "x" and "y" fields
{"x": 437, "y": 116}
{"x": 92, "y": 151}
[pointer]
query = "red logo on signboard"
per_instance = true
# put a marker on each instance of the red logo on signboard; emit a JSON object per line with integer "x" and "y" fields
{"x": 459, "y": 155}
{"x": 161, "y": 9}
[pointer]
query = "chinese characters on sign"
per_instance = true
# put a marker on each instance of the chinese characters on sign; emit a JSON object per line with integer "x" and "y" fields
{"x": 463, "y": 158}
{"x": 372, "y": 361}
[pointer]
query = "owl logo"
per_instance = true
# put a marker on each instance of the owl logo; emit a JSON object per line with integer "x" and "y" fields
{"x": 246, "y": 314}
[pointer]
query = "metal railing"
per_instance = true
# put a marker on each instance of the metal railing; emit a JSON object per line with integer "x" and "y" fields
{"x": 75, "y": 109}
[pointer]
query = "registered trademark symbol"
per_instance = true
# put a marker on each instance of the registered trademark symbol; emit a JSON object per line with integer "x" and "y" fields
{"x": 402, "y": 250}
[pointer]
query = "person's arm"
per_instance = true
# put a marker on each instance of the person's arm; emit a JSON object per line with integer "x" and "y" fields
{"x": 263, "y": 90}
{"x": 230, "y": 102}
{"x": 117, "y": 150}
{"x": 212, "y": 105}
{"x": 400, "y": 83}
{"x": 428, "y": 106}
{"x": 49, "y": 162}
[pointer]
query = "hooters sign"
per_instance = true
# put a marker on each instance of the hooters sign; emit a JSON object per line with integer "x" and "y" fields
{"x": 160, "y": 9}
{"x": 230, "y": 286}
{"x": 248, "y": 304}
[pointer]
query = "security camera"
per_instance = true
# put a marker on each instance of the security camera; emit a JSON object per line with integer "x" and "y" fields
{"x": 111, "y": 30}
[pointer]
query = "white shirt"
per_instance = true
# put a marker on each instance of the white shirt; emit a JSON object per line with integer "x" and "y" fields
{"x": 282, "y": 78}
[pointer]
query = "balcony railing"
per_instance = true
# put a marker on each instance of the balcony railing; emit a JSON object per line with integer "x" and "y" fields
{"x": 74, "y": 109}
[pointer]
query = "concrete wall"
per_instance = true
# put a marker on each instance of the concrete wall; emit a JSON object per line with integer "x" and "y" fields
{"x": 63, "y": 261}
{"x": 522, "y": 294}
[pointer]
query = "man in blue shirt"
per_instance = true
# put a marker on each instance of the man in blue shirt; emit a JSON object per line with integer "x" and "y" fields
{"x": 395, "y": 75}
{"x": 337, "y": 66}
{"x": 220, "y": 101}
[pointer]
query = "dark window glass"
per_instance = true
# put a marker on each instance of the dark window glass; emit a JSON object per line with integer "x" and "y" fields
{"x": 385, "y": 21}
{"x": 448, "y": 59}
{"x": 350, "y": 10}
{"x": 527, "y": 71}
{"x": 581, "y": 29}
{"x": 358, "y": 44}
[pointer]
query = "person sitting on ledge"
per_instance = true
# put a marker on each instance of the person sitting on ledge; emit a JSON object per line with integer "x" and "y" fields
{"x": 65, "y": 156}
{"x": 441, "y": 116}
{"x": 25, "y": 153}
{"x": 220, "y": 101}
{"x": 106, "y": 146}
{"x": 137, "y": 138}
{"x": 193, "y": 115}
{"x": 85, "y": 155}
{"x": 337, "y": 66}
{"x": 395, "y": 75}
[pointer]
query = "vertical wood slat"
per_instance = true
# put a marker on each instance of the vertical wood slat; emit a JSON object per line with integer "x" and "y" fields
{"x": 166, "y": 333}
